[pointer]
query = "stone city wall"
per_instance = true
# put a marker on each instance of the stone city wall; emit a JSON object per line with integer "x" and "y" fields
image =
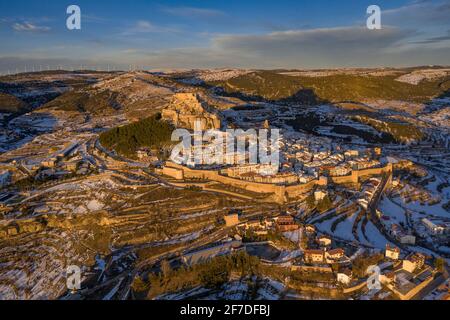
{"x": 281, "y": 192}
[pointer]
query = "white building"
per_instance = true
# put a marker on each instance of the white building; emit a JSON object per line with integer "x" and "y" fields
{"x": 413, "y": 262}
{"x": 432, "y": 227}
{"x": 319, "y": 195}
{"x": 392, "y": 252}
{"x": 407, "y": 239}
{"x": 324, "y": 241}
{"x": 351, "y": 153}
{"x": 345, "y": 276}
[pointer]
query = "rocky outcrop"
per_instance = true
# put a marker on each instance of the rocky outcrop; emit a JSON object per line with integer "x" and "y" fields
{"x": 187, "y": 108}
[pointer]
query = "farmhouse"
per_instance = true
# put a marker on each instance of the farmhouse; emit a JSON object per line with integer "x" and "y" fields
{"x": 392, "y": 252}
{"x": 324, "y": 241}
{"x": 413, "y": 262}
{"x": 314, "y": 256}
{"x": 286, "y": 223}
{"x": 335, "y": 255}
{"x": 231, "y": 219}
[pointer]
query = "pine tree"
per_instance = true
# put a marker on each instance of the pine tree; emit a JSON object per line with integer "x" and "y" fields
{"x": 139, "y": 285}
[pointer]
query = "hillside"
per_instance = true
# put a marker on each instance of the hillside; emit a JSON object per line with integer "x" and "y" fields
{"x": 136, "y": 94}
{"x": 274, "y": 86}
{"x": 103, "y": 103}
{"x": 401, "y": 132}
{"x": 151, "y": 132}
{"x": 11, "y": 104}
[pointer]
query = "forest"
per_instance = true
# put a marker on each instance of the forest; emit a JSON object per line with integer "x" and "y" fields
{"x": 151, "y": 132}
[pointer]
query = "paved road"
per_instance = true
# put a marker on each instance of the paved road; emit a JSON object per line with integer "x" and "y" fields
{"x": 372, "y": 207}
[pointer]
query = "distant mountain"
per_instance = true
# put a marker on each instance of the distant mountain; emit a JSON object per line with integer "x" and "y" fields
{"x": 332, "y": 86}
{"x": 38, "y": 88}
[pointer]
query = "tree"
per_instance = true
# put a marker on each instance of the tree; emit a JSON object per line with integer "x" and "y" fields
{"x": 311, "y": 201}
{"x": 362, "y": 262}
{"x": 139, "y": 285}
{"x": 166, "y": 269}
{"x": 325, "y": 204}
{"x": 149, "y": 132}
{"x": 335, "y": 267}
{"x": 156, "y": 287}
{"x": 214, "y": 275}
{"x": 439, "y": 264}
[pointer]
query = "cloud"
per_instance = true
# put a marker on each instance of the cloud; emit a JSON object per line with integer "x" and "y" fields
{"x": 131, "y": 51}
{"x": 332, "y": 38}
{"x": 327, "y": 46}
{"x": 144, "y": 26}
{"x": 435, "y": 39}
{"x": 419, "y": 13}
{"x": 29, "y": 27}
{"x": 312, "y": 48}
{"x": 192, "y": 12}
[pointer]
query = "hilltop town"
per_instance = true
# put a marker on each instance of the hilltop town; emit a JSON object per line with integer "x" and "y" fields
{"x": 362, "y": 186}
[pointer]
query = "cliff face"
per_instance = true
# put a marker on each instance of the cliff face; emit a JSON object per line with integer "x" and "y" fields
{"x": 187, "y": 108}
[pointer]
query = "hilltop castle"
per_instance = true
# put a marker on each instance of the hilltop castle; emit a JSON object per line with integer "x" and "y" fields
{"x": 187, "y": 108}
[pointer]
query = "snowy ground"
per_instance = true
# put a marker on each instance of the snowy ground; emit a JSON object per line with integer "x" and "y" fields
{"x": 393, "y": 212}
{"x": 434, "y": 210}
{"x": 375, "y": 238}
{"x": 343, "y": 229}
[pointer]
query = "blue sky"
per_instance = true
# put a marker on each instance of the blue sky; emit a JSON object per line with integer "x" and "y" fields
{"x": 216, "y": 33}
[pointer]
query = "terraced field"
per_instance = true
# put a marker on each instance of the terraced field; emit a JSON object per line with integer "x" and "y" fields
{"x": 121, "y": 215}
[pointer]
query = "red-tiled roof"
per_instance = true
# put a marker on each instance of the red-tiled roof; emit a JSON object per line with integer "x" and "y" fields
{"x": 313, "y": 251}
{"x": 336, "y": 251}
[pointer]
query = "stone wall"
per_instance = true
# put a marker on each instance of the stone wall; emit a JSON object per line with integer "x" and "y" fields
{"x": 282, "y": 193}
{"x": 304, "y": 268}
{"x": 356, "y": 174}
{"x": 173, "y": 172}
